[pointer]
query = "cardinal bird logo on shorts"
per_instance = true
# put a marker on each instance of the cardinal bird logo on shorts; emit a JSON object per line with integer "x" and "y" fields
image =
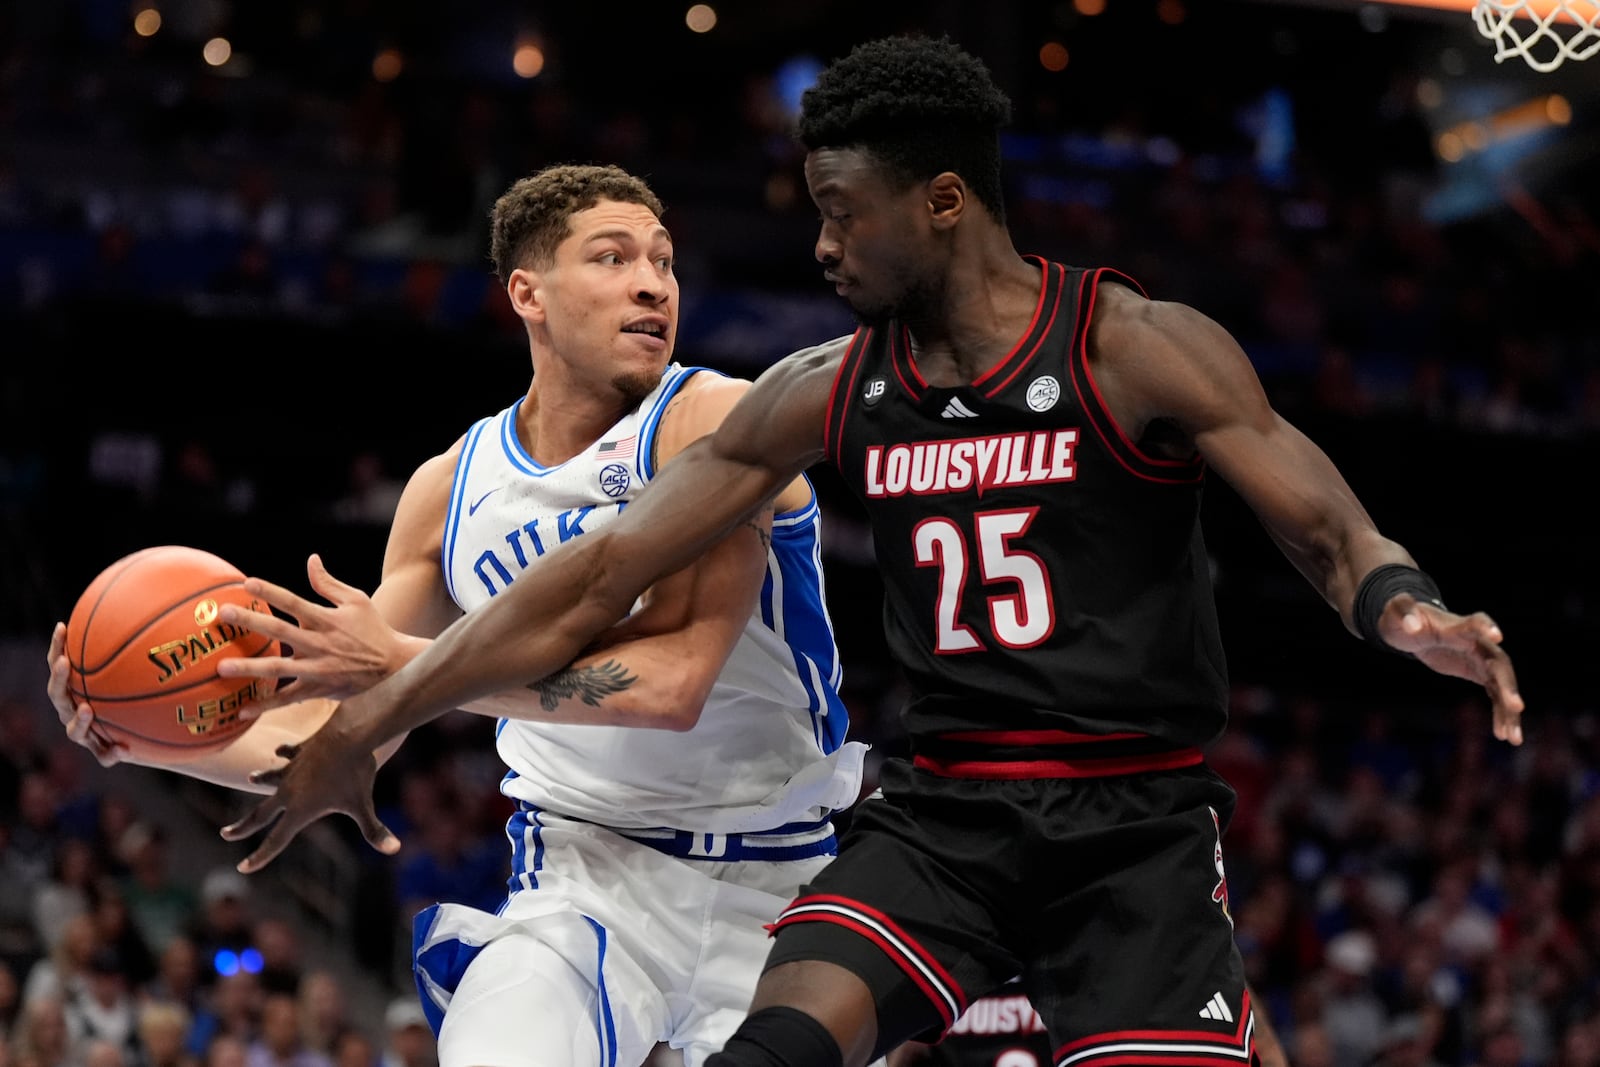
{"x": 1220, "y": 893}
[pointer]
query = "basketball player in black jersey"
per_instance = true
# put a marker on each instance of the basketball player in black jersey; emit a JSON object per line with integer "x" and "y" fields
{"x": 1029, "y": 440}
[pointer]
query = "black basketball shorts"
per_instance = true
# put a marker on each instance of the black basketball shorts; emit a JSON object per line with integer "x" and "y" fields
{"x": 1107, "y": 896}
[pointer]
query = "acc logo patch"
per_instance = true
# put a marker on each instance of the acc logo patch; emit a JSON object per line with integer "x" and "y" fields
{"x": 1043, "y": 393}
{"x": 614, "y": 480}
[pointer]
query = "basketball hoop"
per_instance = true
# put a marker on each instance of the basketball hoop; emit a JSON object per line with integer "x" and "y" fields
{"x": 1545, "y": 33}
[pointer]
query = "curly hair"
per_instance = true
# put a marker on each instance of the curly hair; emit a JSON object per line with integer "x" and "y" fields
{"x": 920, "y": 105}
{"x": 534, "y": 216}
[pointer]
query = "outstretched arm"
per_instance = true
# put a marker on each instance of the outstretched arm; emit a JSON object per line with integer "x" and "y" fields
{"x": 1162, "y": 362}
{"x": 546, "y": 618}
{"x": 655, "y": 669}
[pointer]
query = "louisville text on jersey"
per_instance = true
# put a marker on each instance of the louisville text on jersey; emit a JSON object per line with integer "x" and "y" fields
{"x": 1000, "y": 1015}
{"x": 928, "y": 468}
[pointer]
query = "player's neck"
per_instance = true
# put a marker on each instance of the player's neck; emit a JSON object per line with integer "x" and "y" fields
{"x": 560, "y": 418}
{"x": 988, "y": 301}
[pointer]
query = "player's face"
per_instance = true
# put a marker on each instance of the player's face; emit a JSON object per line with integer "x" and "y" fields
{"x": 610, "y": 300}
{"x": 875, "y": 244}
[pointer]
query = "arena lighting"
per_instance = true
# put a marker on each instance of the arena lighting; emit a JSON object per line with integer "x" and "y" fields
{"x": 227, "y": 962}
{"x": 1504, "y": 125}
{"x": 700, "y": 18}
{"x": 217, "y": 51}
{"x": 527, "y": 60}
{"x": 1462, "y": 8}
{"x": 1540, "y": 8}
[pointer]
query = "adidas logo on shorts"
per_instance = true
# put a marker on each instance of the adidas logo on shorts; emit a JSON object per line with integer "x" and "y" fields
{"x": 1217, "y": 1009}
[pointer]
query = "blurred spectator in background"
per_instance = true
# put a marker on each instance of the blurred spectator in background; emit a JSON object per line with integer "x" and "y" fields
{"x": 98, "y": 1053}
{"x": 407, "y": 1040}
{"x": 232, "y": 1011}
{"x": 35, "y": 830}
{"x": 19, "y": 940}
{"x": 66, "y": 891}
{"x": 177, "y": 977}
{"x": 278, "y": 943}
{"x": 161, "y": 905}
{"x": 353, "y": 1048}
{"x": 279, "y": 1043}
{"x": 20, "y": 752}
{"x": 163, "y": 1029}
{"x": 10, "y": 1003}
{"x": 62, "y": 975}
{"x": 447, "y": 861}
{"x": 225, "y": 921}
{"x": 40, "y": 1037}
{"x": 324, "y": 1011}
{"x": 104, "y": 1009}
{"x": 227, "y": 1050}
{"x": 1352, "y": 1016}
{"x": 114, "y": 926}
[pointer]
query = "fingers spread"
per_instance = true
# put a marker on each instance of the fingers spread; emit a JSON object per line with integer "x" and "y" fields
{"x": 260, "y": 622}
{"x": 325, "y": 583}
{"x": 258, "y": 817}
{"x": 257, "y": 667}
{"x": 281, "y": 834}
{"x": 281, "y": 598}
{"x": 377, "y": 834}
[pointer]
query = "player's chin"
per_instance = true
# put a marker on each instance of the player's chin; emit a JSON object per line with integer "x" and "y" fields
{"x": 868, "y": 310}
{"x": 639, "y": 380}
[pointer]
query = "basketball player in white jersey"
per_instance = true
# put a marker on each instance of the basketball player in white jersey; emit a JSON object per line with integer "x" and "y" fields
{"x": 674, "y": 784}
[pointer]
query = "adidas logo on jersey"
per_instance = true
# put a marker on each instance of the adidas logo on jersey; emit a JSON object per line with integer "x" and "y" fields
{"x": 957, "y": 410}
{"x": 1217, "y": 1009}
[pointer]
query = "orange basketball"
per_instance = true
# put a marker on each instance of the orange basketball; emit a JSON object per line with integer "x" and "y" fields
{"x": 144, "y": 642}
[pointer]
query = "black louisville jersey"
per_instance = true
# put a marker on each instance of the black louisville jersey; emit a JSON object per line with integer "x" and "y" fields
{"x": 1041, "y": 571}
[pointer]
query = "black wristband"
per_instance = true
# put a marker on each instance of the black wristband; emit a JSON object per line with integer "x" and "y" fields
{"x": 1378, "y": 587}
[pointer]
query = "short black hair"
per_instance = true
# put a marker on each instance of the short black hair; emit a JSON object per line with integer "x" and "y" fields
{"x": 534, "y": 216}
{"x": 919, "y": 104}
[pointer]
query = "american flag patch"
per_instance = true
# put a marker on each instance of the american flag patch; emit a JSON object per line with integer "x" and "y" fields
{"x": 616, "y": 449}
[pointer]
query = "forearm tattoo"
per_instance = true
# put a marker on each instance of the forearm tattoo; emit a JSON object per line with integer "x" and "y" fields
{"x": 590, "y": 684}
{"x": 761, "y": 532}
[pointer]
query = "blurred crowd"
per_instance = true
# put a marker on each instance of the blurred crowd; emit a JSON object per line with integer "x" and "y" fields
{"x": 110, "y": 959}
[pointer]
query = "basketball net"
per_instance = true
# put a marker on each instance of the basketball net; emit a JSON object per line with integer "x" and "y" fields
{"x": 1545, "y": 33}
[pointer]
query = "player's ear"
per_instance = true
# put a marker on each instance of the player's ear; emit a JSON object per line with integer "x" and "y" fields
{"x": 947, "y": 199}
{"x": 525, "y": 288}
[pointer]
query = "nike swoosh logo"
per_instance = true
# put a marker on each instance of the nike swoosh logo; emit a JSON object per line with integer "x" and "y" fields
{"x": 472, "y": 509}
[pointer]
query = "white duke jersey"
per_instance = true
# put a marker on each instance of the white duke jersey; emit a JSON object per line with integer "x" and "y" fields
{"x": 768, "y": 753}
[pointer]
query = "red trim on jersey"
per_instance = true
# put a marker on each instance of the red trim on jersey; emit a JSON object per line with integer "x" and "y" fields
{"x": 903, "y": 338}
{"x": 1126, "y": 453}
{"x": 1038, "y": 310}
{"x": 900, "y": 353}
{"x": 1015, "y": 770}
{"x": 1243, "y": 1038}
{"x": 854, "y": 349}
{"x": 1034, "y": 737}
{"x": 898, "y": 953}
{"x": 1186, "y": 1059}
{"x": 1055, "y": 309}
